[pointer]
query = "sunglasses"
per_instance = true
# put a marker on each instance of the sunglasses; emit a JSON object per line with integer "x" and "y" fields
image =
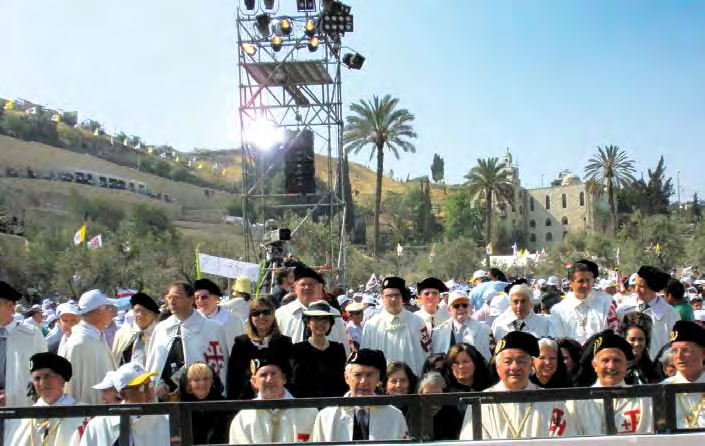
{"x": 256, "y": 313}
{"x": 456, "y": 306}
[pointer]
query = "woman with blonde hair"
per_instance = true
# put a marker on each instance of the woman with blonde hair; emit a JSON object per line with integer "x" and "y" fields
{"x": 200, "y": 383}
{"x": 261, "y": 332}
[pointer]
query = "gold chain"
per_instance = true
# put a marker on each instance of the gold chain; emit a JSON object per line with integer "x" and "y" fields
{"x": 47, "y": 432}
{"x": 516, "y": 433}
{"x": 692, "y": 415}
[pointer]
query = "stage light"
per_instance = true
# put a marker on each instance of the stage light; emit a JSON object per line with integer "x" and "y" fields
{"x": 249, "y": 49}
{"x": 277, "y": 43}
{"x": 353, "y": 61}
{"x": 264, "y": 134}
{"x": 283, "y": 27}
{"x": 310, "y": 28}
{"x": 250, "y": 5}
{"x": 313, "y": 44}
{"x": 263, "y": 21}
{"x": 306, "y": 5}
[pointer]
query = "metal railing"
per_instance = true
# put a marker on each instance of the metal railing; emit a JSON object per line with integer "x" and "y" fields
{"x": 419, "y": 407}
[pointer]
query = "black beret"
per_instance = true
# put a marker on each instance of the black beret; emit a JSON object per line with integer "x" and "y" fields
{"x": 301, "y": 271}
{"x": 520, "y": 281}
{"x": 655, "y": 278}
{"x": 145, "y": 301}
{"x": 432, "y": 283}
{"x": 208, "y": 285}
{"x": 592, "y": 266}
{"x": 519, "y": 340}
{"x": 611, "y": 340}
{"x": 9, "y": 293}
{"x": 265, "y": 357}
{"x": 370, "y": 358}
{"x": 688, "y": 331}
{"x": 58, "y": 364}
{"x": 394, "y": 282}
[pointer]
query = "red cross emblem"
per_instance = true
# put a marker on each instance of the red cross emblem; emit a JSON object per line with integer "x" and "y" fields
{"x": 558, "y": 423}
{"x": 82, "y": 427}
{"x": 630, "y": 424}
{"x": 213, "y": 356}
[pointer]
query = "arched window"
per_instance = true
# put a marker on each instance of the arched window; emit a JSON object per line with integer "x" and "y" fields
{"x": 548, "y": 202}
{"x": 532, "y": 224}
{"x": 549, "y": 237}
{"x": 564, "y": 201}
{"x": 532, "y": 237}
{"x": 548, "y": 222}
{"x": 582, "y": 198}
{"x": 564, "y": 220}
{"x": 531, "y": 204}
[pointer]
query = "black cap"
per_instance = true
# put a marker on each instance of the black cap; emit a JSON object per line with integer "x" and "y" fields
{"x": 592, "y": 266}
{"x": 688, "y": 331}
{"x": 9, "y": 293}
{"x": 655, "y": 278}
{"x": 58, "y": 364}
{"x": 370, "y": 358}
{"x": 431, "y": 283}
{"x": 611, "y": 340}
{"x": 265, "y": 357}
{"x": 394, "y": 282}
{"x": 301, "y": 271}
{"x": 519, "y": 340}
{"x": 520, "y": 281}
{"x": 145, "y": 301}
{"x": 208, "y": 285}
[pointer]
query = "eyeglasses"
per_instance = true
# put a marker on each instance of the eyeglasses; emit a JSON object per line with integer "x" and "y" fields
{"x": 456, "y": 306}
{"x": 257, "y": 313}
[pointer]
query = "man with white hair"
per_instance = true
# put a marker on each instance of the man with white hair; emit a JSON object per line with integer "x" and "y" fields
{"x": 461, "y": 328}
{"x": 611, "y": 356}
{"x": 520, "y": 315}
{"x": 86, "y": 350}
{"x": 516, "y": 421}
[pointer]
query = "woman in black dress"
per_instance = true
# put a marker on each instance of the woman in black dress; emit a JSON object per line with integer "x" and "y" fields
{"x": 319, "y": 364}
{"x": 261, "y": 332}
{"x": 636, "y": 329}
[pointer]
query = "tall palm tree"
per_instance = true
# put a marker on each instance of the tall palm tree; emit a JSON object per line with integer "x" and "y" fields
{"x": 490, "y": 181}
{"x": 610, "y": 169}
{"x": 381, "y": 125}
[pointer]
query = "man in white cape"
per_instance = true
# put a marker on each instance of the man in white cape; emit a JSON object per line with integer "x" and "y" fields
{"x": 208, "y": 295}
{"x": 363, "y": 372}
{"x": 251, "y": 426}
{"x": 429, "y": 291}
{"x": 132, "y": 339}
{"x": 461, "y": 328}
{"x": 50, "y": 372}
{"x": 515, "y": 421}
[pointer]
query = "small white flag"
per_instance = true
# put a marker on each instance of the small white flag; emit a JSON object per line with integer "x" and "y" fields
{"x": 400, "y": 250}
{"x": 80, "y": 236}
{"x": 96, "y": 242}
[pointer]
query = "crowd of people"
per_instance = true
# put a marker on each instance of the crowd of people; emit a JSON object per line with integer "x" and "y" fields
{"x": 196, "y": 343}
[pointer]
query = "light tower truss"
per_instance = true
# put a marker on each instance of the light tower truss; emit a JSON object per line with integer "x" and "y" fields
{"x": 293, "y": 88}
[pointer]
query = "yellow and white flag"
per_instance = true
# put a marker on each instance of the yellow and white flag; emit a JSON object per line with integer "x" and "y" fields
{"x": 80, "y": 236}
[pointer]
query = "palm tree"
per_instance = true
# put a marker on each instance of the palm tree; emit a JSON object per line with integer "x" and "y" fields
{"x": 490, "y": 180}
{"x": 380, "y": 124}
{"x": 610, "y": 169}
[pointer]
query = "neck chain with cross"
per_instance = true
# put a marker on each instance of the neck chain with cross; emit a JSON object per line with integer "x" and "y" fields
{"x": 45, "y": 428}
{"x": 692, "y": 414}
{"x": 516, "y": 433}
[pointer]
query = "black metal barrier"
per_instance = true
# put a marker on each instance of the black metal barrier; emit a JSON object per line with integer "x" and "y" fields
{"x": 419, "y": 407}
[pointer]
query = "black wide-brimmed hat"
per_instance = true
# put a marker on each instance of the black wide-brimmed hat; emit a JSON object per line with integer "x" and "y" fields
{"x": 431, "y": 283}
{"x": 688, "y": 331}
{"x": 655, "y": 278}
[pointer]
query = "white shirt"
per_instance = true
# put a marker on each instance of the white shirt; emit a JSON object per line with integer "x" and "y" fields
{"x": 663, "y": 317}
{"x": 433, "y": 320}
{"x": 580, "y": 319}
{"x": 58, "y": 431}
{"x": 474, "y": 332}
{"x": 507, "y": 322}
{"x": 289, "y": 319}
{"x": 690, "y": 409}
{"x": 631, "y": 415}
{"x": 149, "y": 430}
{"x": 231, "y": 323}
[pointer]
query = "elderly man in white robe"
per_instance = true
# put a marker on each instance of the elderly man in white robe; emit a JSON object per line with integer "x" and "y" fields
{"x": 68, "y": 318}
{"x": 308, "y": 286}
{"x": 688, "y": 350}
{"x": 429, "y": 292}
{"x": 516, "y": 421}
{"x": 135, "y": 387}
{"x": 132, "y": 340}
{"x": 50, "y": 372}
{"x": 584, "y": 311}
{"x": 208, "y": 295}
{"x": 612, "y": 354}
{"x": 520, "y": 315}
{"x": 252, "y": 426}
{"x": 461, "y": 328}
{"x": 182, "y": 339}
{"x": 399, "y": 333}
{"x": 363, "y": 373}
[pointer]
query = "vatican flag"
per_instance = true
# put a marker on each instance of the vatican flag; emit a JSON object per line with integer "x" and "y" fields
{"x": 80, "y": 236}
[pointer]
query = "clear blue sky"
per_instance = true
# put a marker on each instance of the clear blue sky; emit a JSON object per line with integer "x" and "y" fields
{"x": 550, "y": 79}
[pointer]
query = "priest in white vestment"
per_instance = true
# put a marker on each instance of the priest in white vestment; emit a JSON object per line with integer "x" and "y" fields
{"x": 182, "y": 339}
{"x": 68, "y": 318}
{"x": 308, "y": 287}
{"x": 688, "y": 350}
{"x": 251, "y": 426}
{"x": 135, "y": 386}
{"x": 86, "y": 350}
{"x": 397, "y": 332}
{"x": 363, "y": 373}
{"x": 208, "y": 296}
{"x": 461, "y": 328}
{"x": 515, "y": 421}
{"x": 50, "y": 372}
{"x": 634, "y": 415}
{"x": 429, "y": 291}
{"x": 584, "y": 311}
{"x": 132, "y": 339}
{"x": 520, "y": 315}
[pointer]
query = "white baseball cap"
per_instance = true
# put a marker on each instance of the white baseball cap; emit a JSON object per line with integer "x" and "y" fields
{"x": 457, "y": 295}
{"x": 632, "y": 279}
{"x": 553, "y": 281}
{"x": 541, "y": 282}
{"x": 66, "y": 308}
{"x": 90, "y": 300}
{"x": 130, "y": 374}
{"x": 107, "y": 382}
{"x": 479, "y": 274}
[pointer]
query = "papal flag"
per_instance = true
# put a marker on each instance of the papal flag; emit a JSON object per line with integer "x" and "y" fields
{"x": 96, "y": 242}
{"x": 80, "y": 236}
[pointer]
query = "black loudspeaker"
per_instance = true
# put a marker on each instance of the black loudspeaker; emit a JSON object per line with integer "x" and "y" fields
{"x": 299, "y": 163}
